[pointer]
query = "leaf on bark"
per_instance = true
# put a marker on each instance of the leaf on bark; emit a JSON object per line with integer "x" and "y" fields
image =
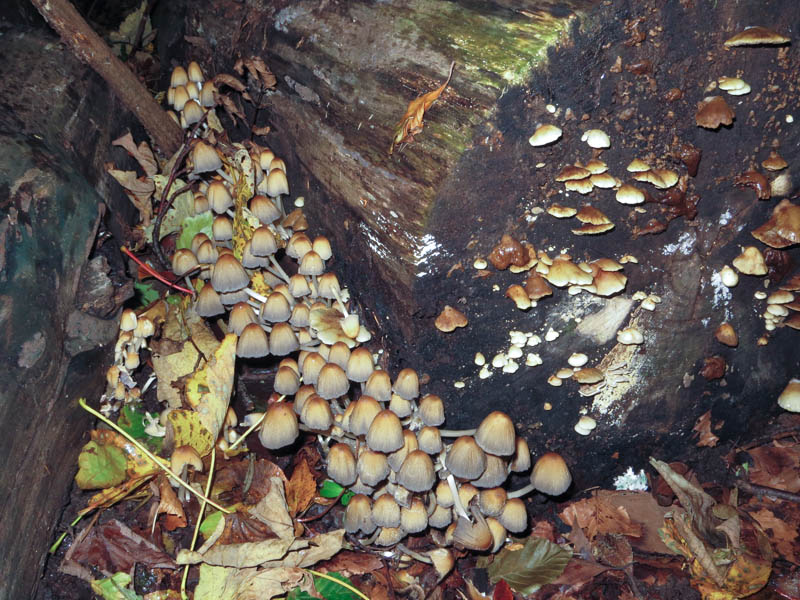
{"x": 538, "y": 563}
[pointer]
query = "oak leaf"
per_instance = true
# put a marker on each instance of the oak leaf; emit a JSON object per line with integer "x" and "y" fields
{"x": 411, "y": 122}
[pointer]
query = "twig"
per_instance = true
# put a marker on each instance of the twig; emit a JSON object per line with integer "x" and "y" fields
{"x": 388, "y": 579}
{"x": 155, "y": 459}
{"x": 762, "y": 490}
{"x": 760, "y": 441}
{"x": 152, "y": 272}
{"x": 199, "y": 522}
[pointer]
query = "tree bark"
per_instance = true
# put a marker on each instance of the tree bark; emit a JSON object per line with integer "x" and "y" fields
{"x": 91, "y": 49}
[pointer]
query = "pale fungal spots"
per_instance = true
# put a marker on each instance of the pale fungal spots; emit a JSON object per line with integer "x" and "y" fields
{"x": 510, "y": 367}
{"x": 555, "y": 381}
{"x": 544, "y": 134}
{"x": 577, "y": 359}
{"x": 551, "y": 335}
{"x": 612, "y": 377}
{"x": 585, "y": 425}
{"x": 630, "y": 336}
{"x": 534, "y": 340}
{"x": 533, "y": 360}
{"x": 485, "y": 372}
{"x": 596, "y": 138}
{"x": 480, "y": 359}
{"x": 499, "y": 360}
{"x": 300, "y": 202}
{"x": 459, "y": 384}
{"x": 728, "y": 276}
{"x": 514, "y": 352}
{"x": 480, "y": 264}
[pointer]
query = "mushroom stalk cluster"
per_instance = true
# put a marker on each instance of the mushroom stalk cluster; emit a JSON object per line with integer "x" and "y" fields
{"x": 380, "y": 435}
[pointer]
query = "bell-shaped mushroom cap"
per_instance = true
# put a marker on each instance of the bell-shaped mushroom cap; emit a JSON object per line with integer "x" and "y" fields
{"x": 287, "y": 381}
{"x": 207, "y": 254}
{"x": 358, "y": 515}
{"x": 339, "y": 354}
{"x": 185, "y": 456}
{"x": 300, "y": 315}
{"x": 205, "y": 158}
{"x": 222, "y": 228}
{"x": 431, "y": 410}
{"x": 522, "y": 456}
{"x": 179, "y": 77}
{"x": 194, "y": 72}
{"x": 440, "y": 517}
{"x": 372, "y": 467}
{"x": 322, "y": 246}
{"x": 311, "y": 264}
{"x": 180, "y": 96}
{"x": 276, "y": 309}
{"x": 252, "y": 342}
{"x": 790, "y": 396}
{"x": 514, "y": 517}
{"x": 385, "y": 433}
{"x": 280, "y": 427}
{"x": 298, "y": 286}
{"x": 301, "y": 397}
{"x": 231, "y": 298}
{"x": 495, "y": 474}
{"x": 241, "y": 316}
{"x": 191, "y": 113}
{"x": 499, "y": 533}
{"x": 550, "y": 476}
{"x": 474, "y": 536}
{"x": 219, "y": 197}
{"x": 282, "y": 339}
{"x": 466, "y": 492}
{"x": 208, "y": 303}
{"x": 496, "y": 434}
{"x": 410, "y": 444}
{"x": 379, "y": 386}
{"x": 365, "y": 409}
{"x": 183, "y": 261}
{"x": 298, "y": 245}
{"x": 193, "y": 91}
{"x": 317, "y": 414}
{"x": 277, "y": 184}
{"x": 386, "y": 511}
{"x": 263, "y": 242}
{"x": 332, "y": 382}
{"x": 465, "y": 459}
{"x": 198, "y": 240}
{"x": 444, "y": 495}
{"x": 406, "y": 385}
{"x": 414, "y": 518}
{"x": 430, "y": 440}
{"x": 359, "y": 365}
{"x": 341, "y": 465}
{"x": 277, "y": 163}
{"x": 229, "y": 275}
{"x": 492, "y": 501}
{"x": 265, "y": 209}
{"x": 400, "y": 406}
{"x": 417, "y": 473}
{"x": 389, "y": 536}
{"x": 311, "y": 366}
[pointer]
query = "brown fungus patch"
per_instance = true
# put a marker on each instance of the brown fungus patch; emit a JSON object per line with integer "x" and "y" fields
{"x": 450, "y": 319}
{"x": 755, "y": 180}
{"x": 508, "y": 252}
{"x": 712, "y": 112}
{"x": 783, "y": 227}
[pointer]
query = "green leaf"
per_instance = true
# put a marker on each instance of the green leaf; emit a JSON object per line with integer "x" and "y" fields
{"x": 191, "y": 226}
{"x": 115, "y": 588}
{"x": 538, "y": 563}
{"x": 145, "y": 293}
{"x": 331, "y": 489}
{"x": 209, "y": 524}
{"x": 100, "y": 466}
{"x": 132, "y": 421}
{"x": 298, "y": 594}
{"x": 331, "y": 590}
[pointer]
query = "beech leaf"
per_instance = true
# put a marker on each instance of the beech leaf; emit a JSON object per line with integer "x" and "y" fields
{"x": 100, "y": 466}
{"x": 538, "y": 563}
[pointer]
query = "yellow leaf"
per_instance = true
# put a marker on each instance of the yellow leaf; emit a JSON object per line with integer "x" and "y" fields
{"x": 208, "y": 391}
{"x": 136, "y": 464}
{"x": 111, "y": 496}
{"x": 411, "y": 122}
{"x": 189, "y": 430}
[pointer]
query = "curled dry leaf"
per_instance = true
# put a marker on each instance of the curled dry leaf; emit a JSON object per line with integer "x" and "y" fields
{"x": 411, "y": 122}
{"x": 702, "y": 429}
{"x": 783, "y": 227}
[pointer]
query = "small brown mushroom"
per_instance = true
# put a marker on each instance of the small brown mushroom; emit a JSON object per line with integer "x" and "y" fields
{"x": 450, "y": 319}
{"x": 713, "y": 112}
{"x": 508, "y": 252}
{"x": 726, "y": 334}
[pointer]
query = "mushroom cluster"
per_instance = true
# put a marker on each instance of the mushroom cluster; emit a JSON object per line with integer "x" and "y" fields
{"x": 189, "y": 95}
{"x": 133, "y": 334}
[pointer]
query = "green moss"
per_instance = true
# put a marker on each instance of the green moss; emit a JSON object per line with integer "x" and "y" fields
{"x": 503, "y": 45}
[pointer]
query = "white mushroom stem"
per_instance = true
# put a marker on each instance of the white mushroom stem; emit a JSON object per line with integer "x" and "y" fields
{"x": 456, "y": 432}
{"x": 279, "y": 203}
{"x": 225, "y": 176}
{"x": 460, "y": 510}
{"x": 371, "y": 539}
{"x": 415, "y": 555}
{"x": 341, "y": 304}
{"x": 255, "y": 295}
{"x": 280, "y": 272}
{"x": 521, "y": 492}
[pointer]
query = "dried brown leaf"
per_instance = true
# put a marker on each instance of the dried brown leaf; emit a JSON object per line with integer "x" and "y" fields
{"x": 142, "y": 153}
{"x": 702, "y": 429}
{"x": 230, "y": 81}
{"x": 301, "y": 489}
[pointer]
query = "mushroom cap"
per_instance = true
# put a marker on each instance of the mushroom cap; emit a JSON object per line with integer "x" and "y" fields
{"x": 440, "y": 517}
{"x": 252, "y": 342}
{"x": 282, "y": 339}
{"x": 263, "y": 242}
{"x": 450, "y": 319}
{"x": 386, "y": 511}
{"x": 222, "y": 229}
{"x": 208, "y": 303}
{"x": 561, "y": 212}
{"x": 385, "y": 433}
{"x": 400, "y": 406}
{"x": 264, "y": 209}
{"x": 179, "y": 77}
{"x": 311, "y": 264}
{"x": 322, "y": 246}
{"x": 276, "y": 309}
{"x": 339, "y": 354}
{"x": 596, "y": 138}
{"x": 359, "y": 365}
{"x": 628, "y": 194}
{"x": 332, "y": 382}
{"x": 389, "y": 536}
{"x": 277, "y": 184}
{"x": 465, "y": 458}
{"x": 417, "y": 473}
{"x": 496, "y": 434}
{"x": 751, "y": 262}
{"x": 431, "y": 410}
{"x": 341, "y": 465}
{"x": 379, "y": 386}
{"x": 205, "y": 158}
{"x": 365, "y": 409}
{"x": 491, "y": 501}
{"x": 207, "y": 253}
{"x": 474, "y": 536}
{"x": 194, "y": 72}
{"x": 410, "y": 444}
{"x": 298, "y": 245}
{"x": 406, "y": 385}
{"x": 229, "y": 275}
{"x": 373, "y": 467}
{"x": 430, "y": 440}
{"x": 495, "y": 474}
{"x": 183, "y": 261}
{"x": 128, "y": 320}
{"x": 414, "y": 518}
{"x": 713, "y": 112}
{"x": 755, "y": 36}
{"x": 316, "y": 414}
{"x": 499, "y": 533}
{"x": 790, "y": 396}
{"x": 185, "y": 456}
{"x": 241, "y": 316}
{"x": 514, "y": 517}
{"x": 550, "y": 476}
{"x": 572, "y": 173}
{"x": 180, "y": 96}
{"x": 280, "y": 427}
{"x": 726, "y": 334}
{"x": 358, "y": 515}
{"x": 544, "y": 134}
{"x": 310, "y": 367}
{"x": 219, "y": 197}
{"x": 287, "y": 381}
{"x": 300, "y": 315}
{"x": 522, "y": 456}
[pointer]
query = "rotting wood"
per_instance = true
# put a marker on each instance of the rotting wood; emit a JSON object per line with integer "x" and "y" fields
{"x": 91, "y": 49}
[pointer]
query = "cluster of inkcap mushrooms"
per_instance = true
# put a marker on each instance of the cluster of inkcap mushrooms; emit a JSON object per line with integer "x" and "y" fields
{"x": 132, "y": 338}
{"x": 189, "y": 95}
{"x": 381, "y": 439}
